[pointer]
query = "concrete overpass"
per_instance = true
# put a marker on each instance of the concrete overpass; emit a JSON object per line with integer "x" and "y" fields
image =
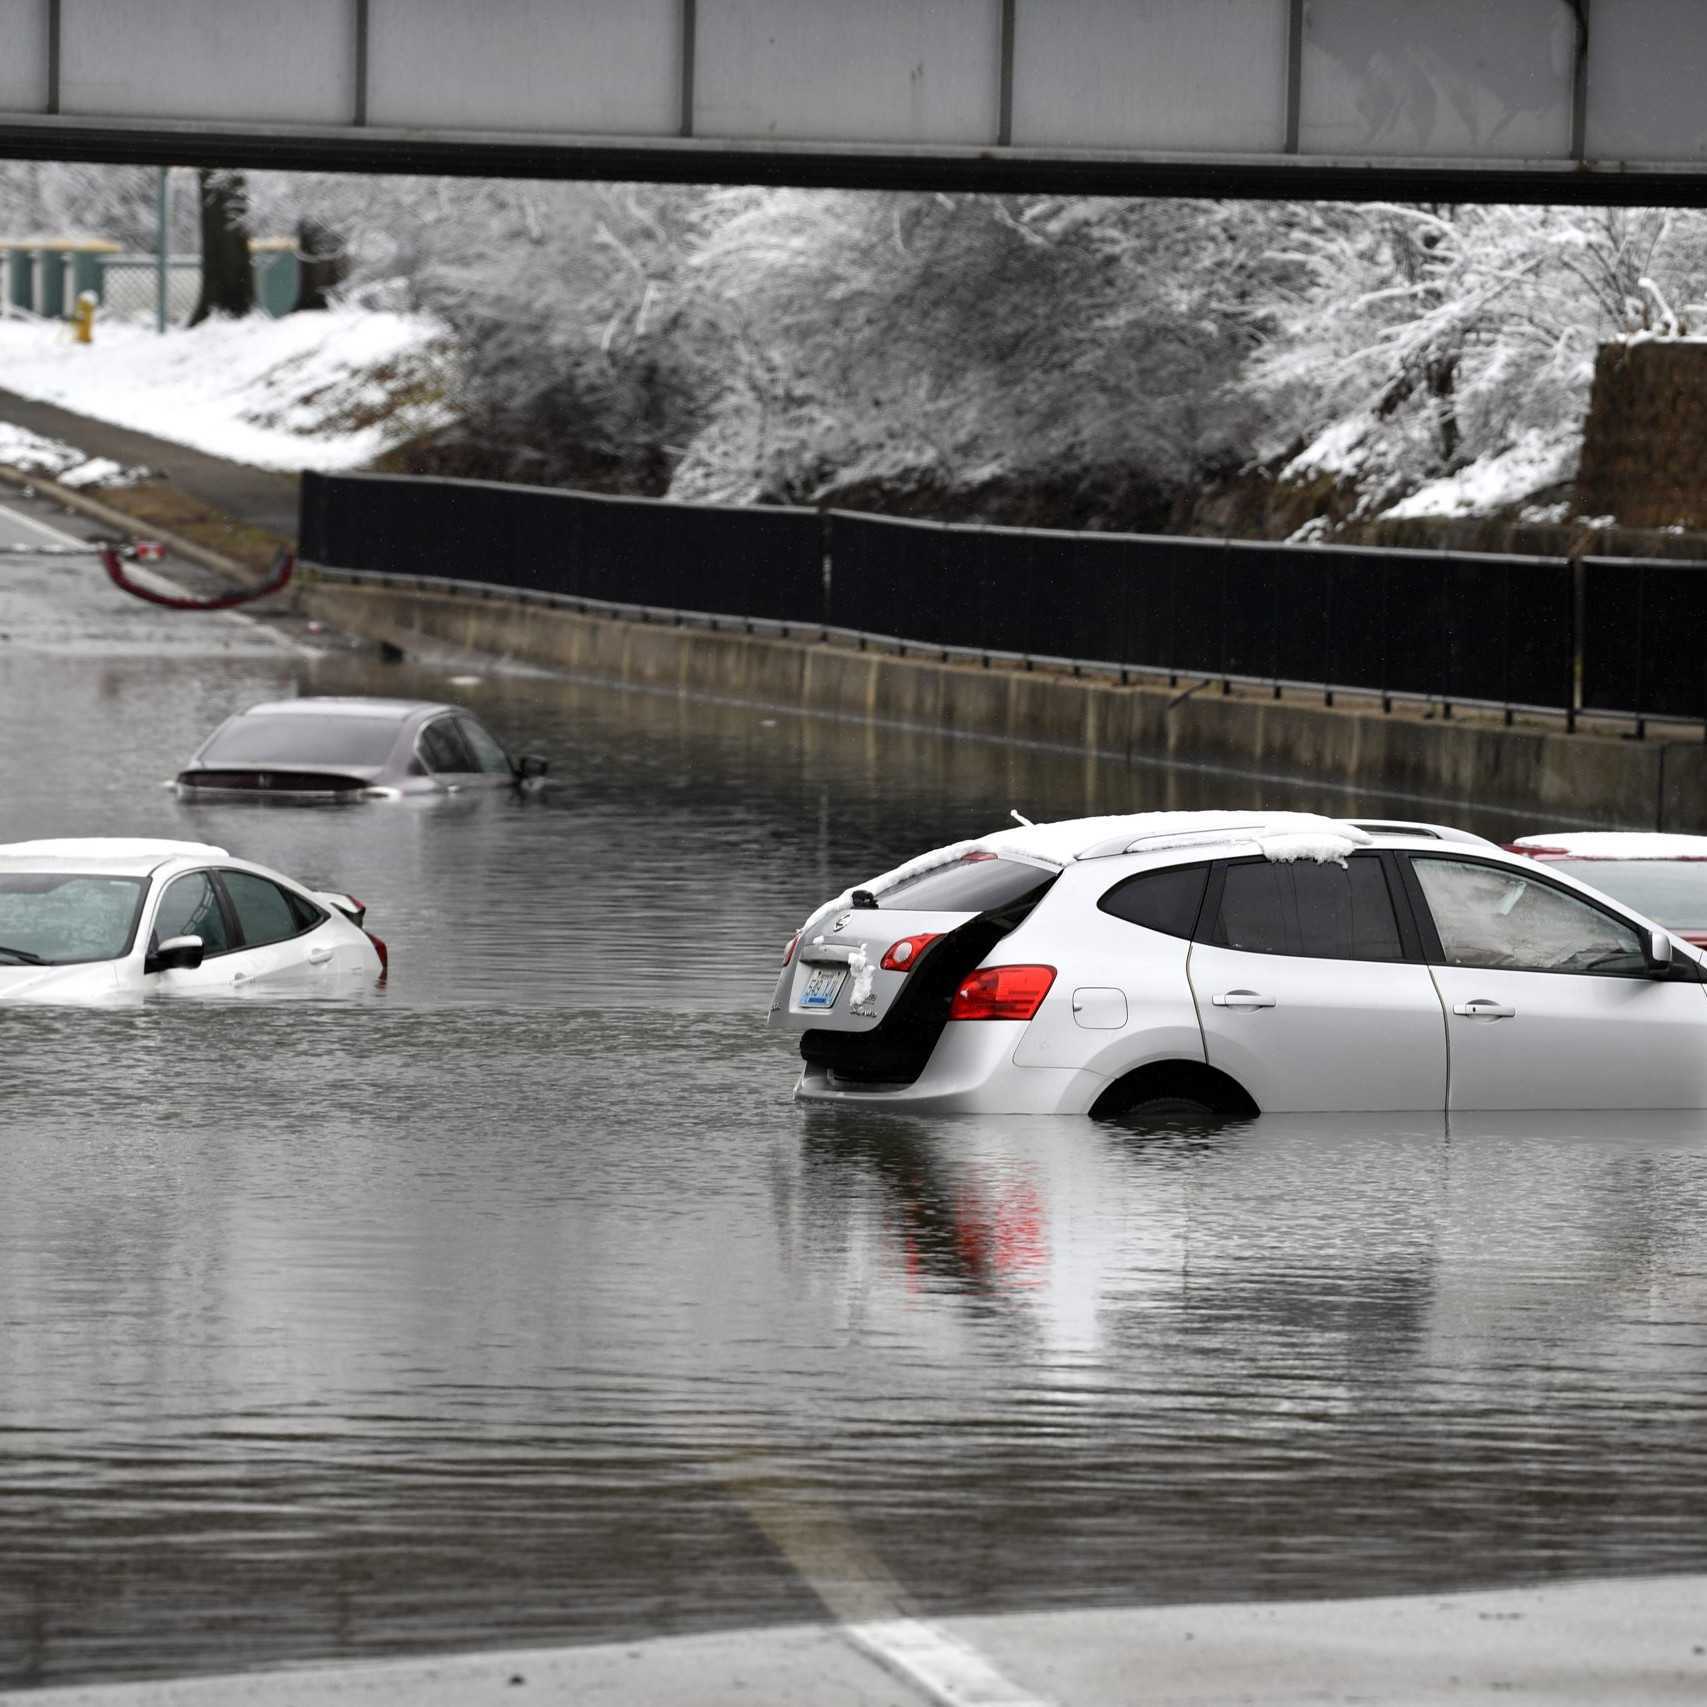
{"x": 1598, "y": 100}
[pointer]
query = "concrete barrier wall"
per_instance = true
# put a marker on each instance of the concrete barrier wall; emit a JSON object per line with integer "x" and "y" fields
{"x": 1576, "y": 779}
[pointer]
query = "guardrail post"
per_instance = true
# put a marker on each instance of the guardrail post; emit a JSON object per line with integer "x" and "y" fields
{"x": 1386, "y": 632}
{"x": 826, "y": 572}
{"x": 1505, "y": 640}
{"x": 1274, "y": 630}
{"x": 1226, "y": 606}
{"x": 1328, "y": 632}
{"x": 1641, "y": 648}
{"x": 1578, "y": 660}
{"x": 1446, "y": 685}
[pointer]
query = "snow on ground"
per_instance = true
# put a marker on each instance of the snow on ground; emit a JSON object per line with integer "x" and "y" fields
{"x": 1356, "y": 452}
{"x": 1538, "y": 459}
{"x": 20, "y": 448}
{"x": 33, "y": 454}
{"x": 1341, "y": 450}
{"x": 320, "y": 390}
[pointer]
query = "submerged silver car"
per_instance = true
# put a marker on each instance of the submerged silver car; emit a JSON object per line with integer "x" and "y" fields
{"x": 323, "y": 747}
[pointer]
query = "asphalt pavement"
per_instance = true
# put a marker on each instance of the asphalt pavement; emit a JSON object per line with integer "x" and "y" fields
{"x": 1639, "y": 1643}
{"x": 55, "y": 597}
{"x": 261, "y": 496}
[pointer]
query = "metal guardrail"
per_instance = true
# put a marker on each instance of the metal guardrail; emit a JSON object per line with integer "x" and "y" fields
{"x": 1554, "y": 637}
{"x": 901, "y": 646}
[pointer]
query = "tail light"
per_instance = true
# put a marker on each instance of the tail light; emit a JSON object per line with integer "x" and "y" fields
{"x": 1002, "y": 992}
{"x": 788, "y": 953}
{"x": 382, "y": 951}
{"x": 902, "y": 956}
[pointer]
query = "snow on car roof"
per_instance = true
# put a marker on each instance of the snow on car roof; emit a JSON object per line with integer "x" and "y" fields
{"x": 1281, "y": 836}
{"x": 1618, "y": 844}
{"x": 333, "y": 705}
{"x": 141, "y": 853}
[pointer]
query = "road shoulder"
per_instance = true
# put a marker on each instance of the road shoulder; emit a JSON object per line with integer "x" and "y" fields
{"x": 1640, "y": 1642}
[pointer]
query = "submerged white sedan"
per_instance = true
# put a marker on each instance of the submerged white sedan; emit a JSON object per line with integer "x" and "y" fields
{"x": 113, "y": 920}
{"x": 1241, "y": 963}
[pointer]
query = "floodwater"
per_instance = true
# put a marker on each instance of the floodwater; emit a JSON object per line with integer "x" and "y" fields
{"x": 517, "y": 1302}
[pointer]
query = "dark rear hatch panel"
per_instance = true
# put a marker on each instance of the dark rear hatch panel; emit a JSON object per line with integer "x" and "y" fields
{"x": 897, "y": 1049}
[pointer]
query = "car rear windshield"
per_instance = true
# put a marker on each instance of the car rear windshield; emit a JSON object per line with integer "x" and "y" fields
{"x": 302, "y": 740}
{"x": 1672, "y": 892}
{"x": 58, "y": 917}
{"x": 974, "y": 884}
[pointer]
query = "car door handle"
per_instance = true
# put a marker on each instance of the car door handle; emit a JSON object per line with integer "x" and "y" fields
{"x": 1242, "y": 999}
{"x": 319, "y": 956}
{"x": 1481, "y": 1008}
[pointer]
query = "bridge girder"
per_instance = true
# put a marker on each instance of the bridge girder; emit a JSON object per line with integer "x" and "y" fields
{"x": 1533, "y": 100}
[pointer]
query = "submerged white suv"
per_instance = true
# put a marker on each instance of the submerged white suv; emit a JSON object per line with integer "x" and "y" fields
{"x": 1241, "y": 962}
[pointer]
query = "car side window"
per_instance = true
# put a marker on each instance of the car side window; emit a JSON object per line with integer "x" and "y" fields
{"x": 444, "y": 749}
{"x": 190, "y": 907}
{"x": 306, "y": 913}
{"x": 1493, "y": 917}
{"x": 264, "y": 912}
{"x": 1320, "y": 910}
{"x": 1167, "y": 901}
{"x": 488, "y": 755}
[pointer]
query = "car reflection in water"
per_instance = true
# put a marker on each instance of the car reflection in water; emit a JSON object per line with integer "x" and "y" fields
{"x": 1315, "y": 1251}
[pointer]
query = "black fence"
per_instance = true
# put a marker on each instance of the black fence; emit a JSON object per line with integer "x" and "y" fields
{"x": 749, "y": 562}
{"x": 1643, "y": 628}
{"x": 1499, "y": 630}
{"x": 1490, "y": 628}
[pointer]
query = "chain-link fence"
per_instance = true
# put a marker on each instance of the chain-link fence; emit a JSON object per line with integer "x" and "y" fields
{"x": 45, "y": 279}
{"x": 130, "y": 287}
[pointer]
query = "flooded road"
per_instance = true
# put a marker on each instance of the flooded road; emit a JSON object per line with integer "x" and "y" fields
{"x": 518, "y": 1302}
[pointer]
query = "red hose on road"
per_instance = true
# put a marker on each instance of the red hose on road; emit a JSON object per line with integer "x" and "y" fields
{"x": 283, "y": 566}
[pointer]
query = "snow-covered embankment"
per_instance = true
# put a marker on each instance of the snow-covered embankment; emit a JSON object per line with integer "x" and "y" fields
{"x": 328, "y": 390}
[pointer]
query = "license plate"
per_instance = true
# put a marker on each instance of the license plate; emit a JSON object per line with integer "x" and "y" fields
{"x": 823, "y": 985}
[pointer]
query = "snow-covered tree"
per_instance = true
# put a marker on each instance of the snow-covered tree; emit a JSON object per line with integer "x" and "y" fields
{"x": 972, "y": 350}
{"x": 574, "y": 354}
{"x": 1400, "y": 342}
{"x": 71, "y": 199}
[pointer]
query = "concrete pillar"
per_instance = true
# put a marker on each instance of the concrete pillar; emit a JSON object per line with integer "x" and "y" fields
{"x": 50, "y": 284}
{"x": 87, "y": 273}
{"x": 22, "y": 280}
{"x": 278, "y": 276}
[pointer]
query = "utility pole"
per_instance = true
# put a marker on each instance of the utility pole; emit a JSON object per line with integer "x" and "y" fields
{"x": 162, "y": 226}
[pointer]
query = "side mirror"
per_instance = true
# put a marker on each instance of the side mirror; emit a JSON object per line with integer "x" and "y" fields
{"x": 531, "y": 764}
{"x": 1657, "y": 952}
{"x": 175, "y": 954}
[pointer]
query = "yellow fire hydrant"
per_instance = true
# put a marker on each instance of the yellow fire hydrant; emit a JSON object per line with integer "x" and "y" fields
{"x": 83, "y": 317}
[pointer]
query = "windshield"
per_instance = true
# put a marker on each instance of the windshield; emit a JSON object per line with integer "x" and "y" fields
{"x": 294, "y": 739}
{"x": 974, "y": 884}
{"x": 56, "y": 917}
{"x": 1672, "y": 892}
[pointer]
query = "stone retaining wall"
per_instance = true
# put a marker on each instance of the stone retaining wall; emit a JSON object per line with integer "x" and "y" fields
{"x": 1644, "y": 454}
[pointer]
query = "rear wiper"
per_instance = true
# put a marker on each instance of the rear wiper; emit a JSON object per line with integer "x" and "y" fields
{"x": 23, "y": 954}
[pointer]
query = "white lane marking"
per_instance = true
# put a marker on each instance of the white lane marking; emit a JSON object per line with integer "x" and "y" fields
{"x": 943, "y": 1666}
{"x": 51, "y": 534}
{"x": 160, "y": 584}
{"x": 867, "y": 1603}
